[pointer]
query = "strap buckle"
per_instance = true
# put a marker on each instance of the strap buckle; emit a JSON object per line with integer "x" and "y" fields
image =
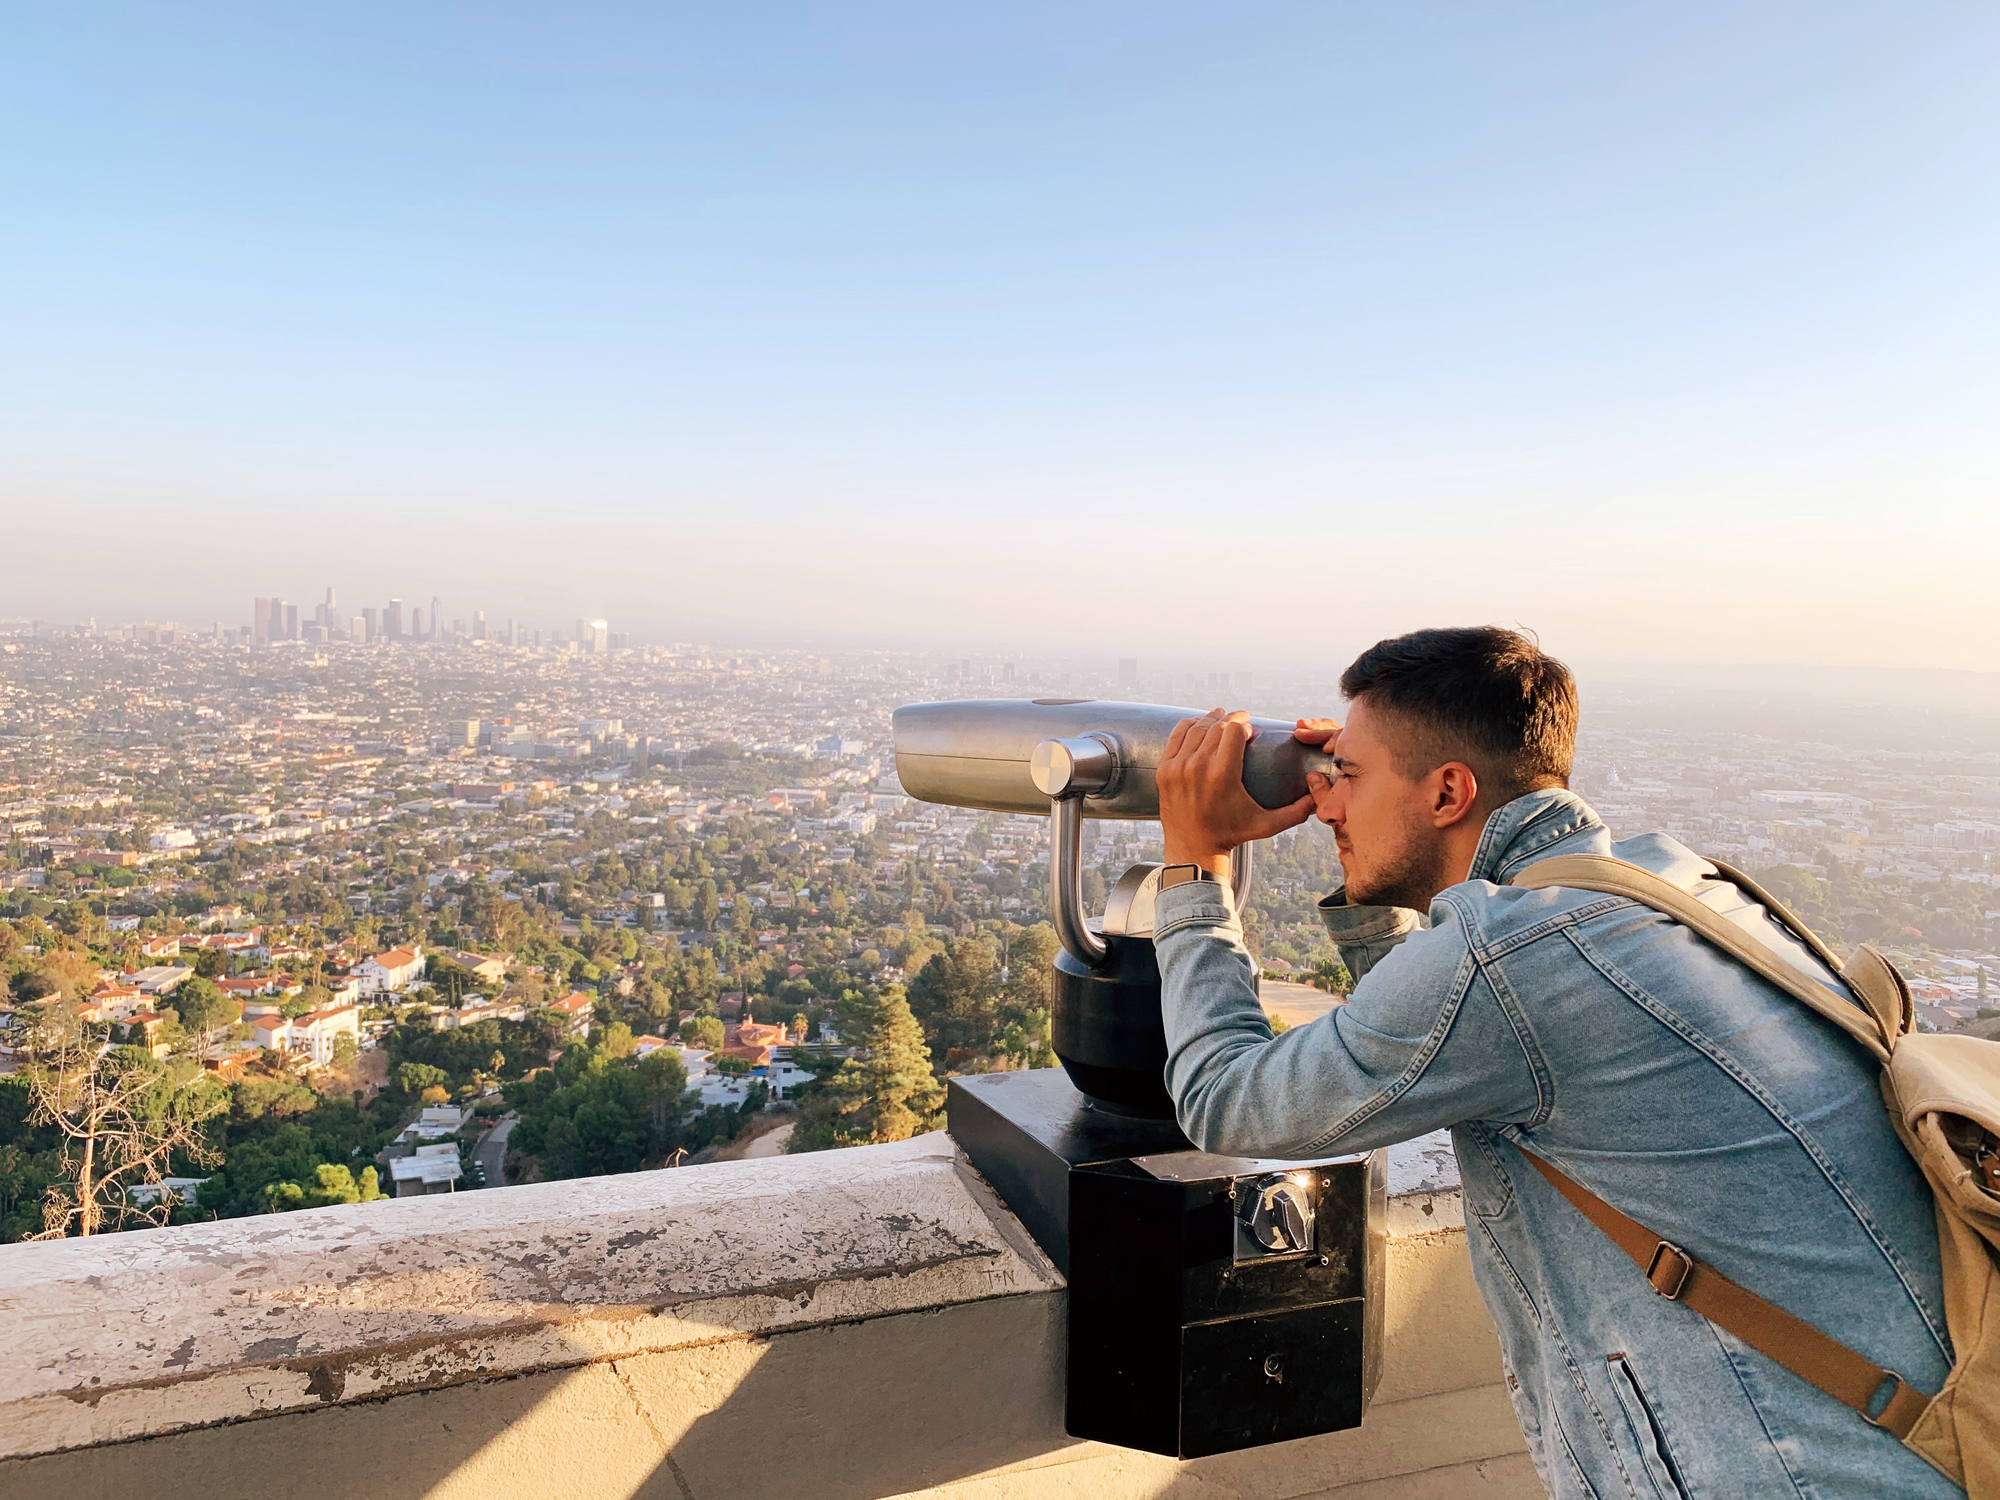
{"x": 1899, "y": 1412}
{"x": 1669, "y": 1270}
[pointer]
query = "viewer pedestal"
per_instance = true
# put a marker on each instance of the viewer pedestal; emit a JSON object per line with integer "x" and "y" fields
{"x": 1215, "y": 1302}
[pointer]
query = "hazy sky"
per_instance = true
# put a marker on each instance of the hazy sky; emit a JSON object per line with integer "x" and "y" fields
{"x": 1238, "y": 330}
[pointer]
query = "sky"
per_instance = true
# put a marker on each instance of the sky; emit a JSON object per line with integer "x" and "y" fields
{"x": 1248, "y": 333}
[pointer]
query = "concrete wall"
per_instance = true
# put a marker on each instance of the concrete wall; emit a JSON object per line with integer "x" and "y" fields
{"x": 863, "y": 1323}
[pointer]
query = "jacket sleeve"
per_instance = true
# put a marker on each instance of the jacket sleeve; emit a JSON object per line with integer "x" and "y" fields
{"x": 1423, "y": 1043}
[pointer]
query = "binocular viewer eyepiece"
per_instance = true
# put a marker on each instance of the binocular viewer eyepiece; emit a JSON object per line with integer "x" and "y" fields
{"x": 1071, "y": 759}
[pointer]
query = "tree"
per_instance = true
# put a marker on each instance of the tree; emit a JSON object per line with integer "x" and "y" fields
{"x": 415, "y": 1077}
{"x": 1330, "y": 974}
{"x": 452, "y": 981}
{"x": 335, "y": 1184}
{"x": 123, "y": 1117}
{"x": 703, "y": 1031}
{"x": 1031, "y": 956}
{"x": 953, "y": 998}
{"x": 890, "y": 1096}
{"x": 204, "y": 1008}
{"x": 599, "y": 1114}
{"x": 211, "y": 963}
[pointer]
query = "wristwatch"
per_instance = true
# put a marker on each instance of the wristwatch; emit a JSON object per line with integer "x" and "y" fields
{"x": 1173, "y": 875}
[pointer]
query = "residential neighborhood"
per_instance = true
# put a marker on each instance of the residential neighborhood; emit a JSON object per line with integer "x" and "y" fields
{"x": 352, "y": 877}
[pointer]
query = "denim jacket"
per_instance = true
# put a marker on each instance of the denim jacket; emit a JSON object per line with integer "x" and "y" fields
{"x": 1668, "y": 1079}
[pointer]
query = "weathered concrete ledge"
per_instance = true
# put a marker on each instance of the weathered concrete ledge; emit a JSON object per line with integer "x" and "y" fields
{"x": 132, "y": 1335}
{"x": 857, "y": 1324}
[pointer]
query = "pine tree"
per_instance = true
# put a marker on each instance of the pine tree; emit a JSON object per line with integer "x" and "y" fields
{"x": 904, "y": 1095}
{"x": 890, "y": 1096}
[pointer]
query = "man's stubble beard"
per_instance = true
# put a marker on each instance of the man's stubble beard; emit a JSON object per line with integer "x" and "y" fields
{"x": 1409, "y": 874}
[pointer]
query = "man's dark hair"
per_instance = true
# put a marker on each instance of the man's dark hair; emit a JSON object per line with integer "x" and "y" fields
{"x": 1479, "y": 694}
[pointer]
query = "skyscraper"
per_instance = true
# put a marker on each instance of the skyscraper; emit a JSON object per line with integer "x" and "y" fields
{"x": 260, "y": 620}
{"x": 392, "y": 622}
{"x": 437, "y": 617}
{"x": 479, "y": 624}
{"x": 598, "y": 642}
{"x": 291, "y": 622}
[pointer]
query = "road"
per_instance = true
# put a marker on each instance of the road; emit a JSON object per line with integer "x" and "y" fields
{"x": 772, "y": 1143}
{"x": 491, "y": 1152}
{"x": 1295, "y": 1003}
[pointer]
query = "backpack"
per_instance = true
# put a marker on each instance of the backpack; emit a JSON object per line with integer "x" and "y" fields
{"x": 1943, "y": 1096}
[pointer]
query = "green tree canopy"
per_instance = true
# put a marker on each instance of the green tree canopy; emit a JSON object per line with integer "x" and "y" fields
{"x": 703, "y": 1031}
{"x": 204, "y": 1006}
{"x": 890, "y": 1095}
{"x": 955, "y": 998}
{"x": 332, "y": 1184}
{"x": 414, "y": 1077}
{"x": 594, "y": 1113}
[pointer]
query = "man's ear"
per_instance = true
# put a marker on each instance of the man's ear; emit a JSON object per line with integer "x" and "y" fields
{"x": 1454, "y": 792}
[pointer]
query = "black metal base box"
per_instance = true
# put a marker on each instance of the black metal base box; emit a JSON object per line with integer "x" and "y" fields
{"x": 1215, "y": 1302}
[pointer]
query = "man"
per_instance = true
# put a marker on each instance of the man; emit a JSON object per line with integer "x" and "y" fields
{"x": 1598, "y": 1034}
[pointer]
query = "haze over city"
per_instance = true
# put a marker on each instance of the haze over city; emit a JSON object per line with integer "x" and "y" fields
{"x": 1107, "y": 328}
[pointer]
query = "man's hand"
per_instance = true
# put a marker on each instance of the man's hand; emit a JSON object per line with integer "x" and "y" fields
{"x": 1320, "y": 734}
{"x": 1204, "y": 810}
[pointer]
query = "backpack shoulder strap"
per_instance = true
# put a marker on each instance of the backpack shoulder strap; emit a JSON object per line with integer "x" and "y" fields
{"x": 1617, "y": 877}
{"x": 1867, "y": 972}
{"x": 1880, "y": 1396}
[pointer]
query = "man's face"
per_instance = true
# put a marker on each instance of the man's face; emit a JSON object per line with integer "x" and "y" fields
{"x": 1391, "y": 849}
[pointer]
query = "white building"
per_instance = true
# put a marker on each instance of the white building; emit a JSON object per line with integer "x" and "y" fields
{"x": 433, "y": 1123}
{"x": 389, "y": 972}
{"x": 313, "y": 1034}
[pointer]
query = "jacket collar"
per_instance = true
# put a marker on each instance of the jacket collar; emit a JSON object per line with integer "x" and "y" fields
{"x": 1530, "y": 828}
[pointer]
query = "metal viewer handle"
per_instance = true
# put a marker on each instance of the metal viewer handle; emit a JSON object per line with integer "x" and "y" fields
{"x": 1067, "y": 771}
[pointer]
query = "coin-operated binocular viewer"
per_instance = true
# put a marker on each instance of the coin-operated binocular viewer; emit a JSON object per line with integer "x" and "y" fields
{"x": 1215, "y": 1302}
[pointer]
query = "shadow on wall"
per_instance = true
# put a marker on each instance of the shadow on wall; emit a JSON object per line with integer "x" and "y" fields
{"x": 867, "y": 1409}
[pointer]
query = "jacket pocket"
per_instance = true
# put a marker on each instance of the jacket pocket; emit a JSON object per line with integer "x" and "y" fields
{"x": 1648, "y": 1436}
